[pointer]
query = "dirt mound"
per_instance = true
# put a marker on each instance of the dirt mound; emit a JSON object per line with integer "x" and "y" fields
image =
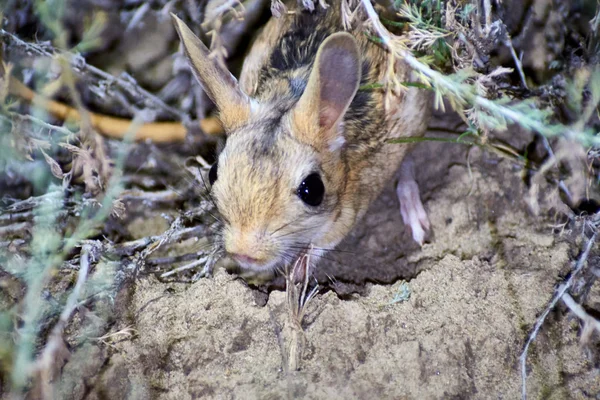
{"x": 487, "y": 273}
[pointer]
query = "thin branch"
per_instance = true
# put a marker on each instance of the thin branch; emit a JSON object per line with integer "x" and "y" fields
{"x": 48, "y": 359}
{"x": 163, "y": 196}
{"x": 589, "y": 322}
{"x": 185, "y": 267}
{"x": 487, "y": 9}
{"x": 162, "y": 239}
{"x": 174, "y": 259}
{"x": 78, "y": 63}
{"x": 517, "y": 59}
{"x": 130, "y": 248}
{"x": 38, "y": 122}
{"x": 463, "y": 93}
{"x": 557, "y": 296}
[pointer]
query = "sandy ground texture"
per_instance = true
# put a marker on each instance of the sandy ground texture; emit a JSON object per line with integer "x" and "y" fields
{"x": 470, "y": 295}
{"x": 477, "y": 287}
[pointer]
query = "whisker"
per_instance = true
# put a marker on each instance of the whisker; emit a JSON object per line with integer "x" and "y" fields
{"x": 205, "y": 196}
{"x": 212, "y": 215}
{"x": 296, "y": 231}
{"x": 332, "y": 279}
{"x": 326, "y": 258}
{"x": 333, "y": 250}
{"x": 172, "y": 188}
{"x": 203, "y": 190}
{"x": 305, "y": 248}
{"x": 208, "y": 191}
{"x": 284, "y": 225}
{"x": 292, "y": 258}
{"x": 203, "y": 246}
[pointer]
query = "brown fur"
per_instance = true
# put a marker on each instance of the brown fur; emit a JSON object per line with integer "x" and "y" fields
{"x": 305, "y": 116}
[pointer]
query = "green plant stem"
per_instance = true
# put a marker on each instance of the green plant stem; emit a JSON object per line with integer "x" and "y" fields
{"x": 462, "y": 93}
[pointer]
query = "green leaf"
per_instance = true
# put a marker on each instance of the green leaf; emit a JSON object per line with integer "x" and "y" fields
{"x": 417, "y": 85}
{"x": 393, "y": 23}
{"x": 372, "y": 38}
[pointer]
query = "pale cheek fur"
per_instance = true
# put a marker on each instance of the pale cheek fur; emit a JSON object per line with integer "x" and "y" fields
{"x": 267, "y": 221}
{"x": 252, "y": 243}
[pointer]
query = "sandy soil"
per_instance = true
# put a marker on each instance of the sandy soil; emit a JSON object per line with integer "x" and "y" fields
{"x": 476, "y": 289}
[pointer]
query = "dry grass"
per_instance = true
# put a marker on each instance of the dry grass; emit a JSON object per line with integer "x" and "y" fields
{"x": 82, "y": 187}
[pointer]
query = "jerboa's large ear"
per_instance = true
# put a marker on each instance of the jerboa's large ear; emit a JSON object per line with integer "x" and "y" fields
{"x": 218, "y": 83}
{"x": 331, "y": 87}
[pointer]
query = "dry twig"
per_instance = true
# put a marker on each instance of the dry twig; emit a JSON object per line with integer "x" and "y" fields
{"x": 111, "y": 126}
{"x": 562, "y": 290}
{"x": 79, "y": 65}
{"x": 297, "y": 302}
{"x": 194, "y": 264}
{"x": 47, "y": 363}
{"x": 590, "y": 324}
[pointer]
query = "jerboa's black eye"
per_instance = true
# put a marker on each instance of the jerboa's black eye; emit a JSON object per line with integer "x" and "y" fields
{"x": 311, "y": 190}
{"x": 212, "y": 174}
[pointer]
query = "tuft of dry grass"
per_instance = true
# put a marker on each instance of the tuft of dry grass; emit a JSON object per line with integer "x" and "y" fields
{"x": 298, "y": 298}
